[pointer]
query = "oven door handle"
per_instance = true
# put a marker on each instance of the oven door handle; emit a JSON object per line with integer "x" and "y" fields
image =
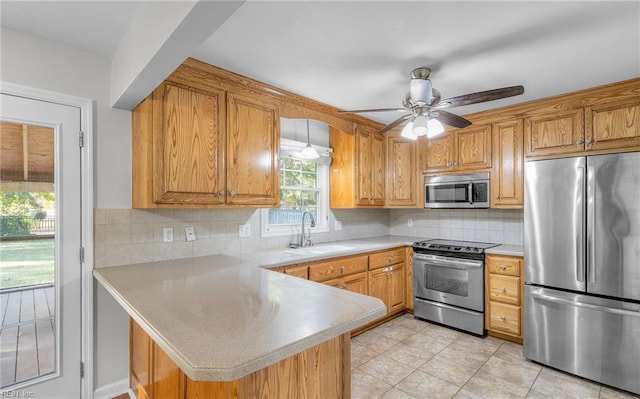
{"x": 449, "y": 262}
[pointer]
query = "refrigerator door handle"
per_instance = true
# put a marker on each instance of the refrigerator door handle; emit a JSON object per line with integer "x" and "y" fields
{"x": 470, "y": 192}
{"x": 583, "y": 305}
{"x": 591, "y": 228}
{"x": 580, "y": 233}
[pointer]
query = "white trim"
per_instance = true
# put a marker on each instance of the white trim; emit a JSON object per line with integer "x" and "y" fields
{"x": 87, "y": 126}
{"x": 113, "y": 389}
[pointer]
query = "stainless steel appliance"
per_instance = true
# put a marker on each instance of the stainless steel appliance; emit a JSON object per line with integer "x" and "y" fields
{"x": 448, "y": 283}
{"x": 582, "y": 267}
{"x": 457, "y": 191}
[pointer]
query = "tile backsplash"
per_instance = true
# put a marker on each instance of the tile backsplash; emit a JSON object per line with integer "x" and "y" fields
{"x": 484, "y": 225}
{"x": 126, "y": 236}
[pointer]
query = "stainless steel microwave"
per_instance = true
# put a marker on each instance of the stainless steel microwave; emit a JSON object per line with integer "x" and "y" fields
{"x": 457, "y": 191}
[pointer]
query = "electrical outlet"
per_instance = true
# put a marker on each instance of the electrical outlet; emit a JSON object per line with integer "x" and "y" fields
{"x": 244, "y": 230}
{"x": 167, "y": 234}
{"x": 409, "y": 222}
{"x": 190, "y": 233}
{"x": 337, "y": 225}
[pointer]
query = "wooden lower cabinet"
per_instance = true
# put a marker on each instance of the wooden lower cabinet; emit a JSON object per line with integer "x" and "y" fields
{"x": 504, "y": 293}
{"x": 354, "y": 283}
{"x": 323, "y": 371}
{"x": 388, "y": 284}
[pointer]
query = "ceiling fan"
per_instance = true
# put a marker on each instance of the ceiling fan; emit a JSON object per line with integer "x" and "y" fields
{"x": 425, "y": 107}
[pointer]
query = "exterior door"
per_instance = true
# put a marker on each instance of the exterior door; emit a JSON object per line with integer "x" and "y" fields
{"x": 59, "y": 358}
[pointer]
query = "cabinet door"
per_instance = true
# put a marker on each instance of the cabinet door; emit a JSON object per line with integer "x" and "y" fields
{"x": 379, "y": 285}
{"x": 168, "y": 379}
{"x": 253, "y": 137}
{"x": 369, "y": 168}
{"x": 473, "y": 148}
{"x": 188, "y": 145}
{"x": 140, "y": 361}
{"x": 401, "y": 172}
{"x": 613, "y": 125}
{"x": 554, "y": 133}
{"x": 396, "y": 288}
{"x": 437, "y": 154}
{"x": 298, "y": 271}
{"x": 356, "y": 283}
{"x": 377, "y": 169}
{"x": 507, "y": 179}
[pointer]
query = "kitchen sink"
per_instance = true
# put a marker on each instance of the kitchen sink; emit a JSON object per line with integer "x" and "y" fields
{"x": 318, "y": 250}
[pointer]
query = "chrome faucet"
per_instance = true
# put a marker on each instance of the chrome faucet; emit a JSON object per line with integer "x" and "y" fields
{"x": 312, "y": 223}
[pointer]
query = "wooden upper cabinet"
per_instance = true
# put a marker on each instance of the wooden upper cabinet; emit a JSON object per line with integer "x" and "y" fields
{"x": 507, "y": 178}
{"x": 613, "y": 125}
{"x": 204, "y": 147}
{"x": 554, "y": 133}
{"x": 401, "y": 184}
{"x": 467, "y": 149}
{"x": 357, "y": 173}
{"x": 253, "y": 137}
{"x": 370, "y": 167}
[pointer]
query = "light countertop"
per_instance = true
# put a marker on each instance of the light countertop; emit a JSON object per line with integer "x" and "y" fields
{"x": 220, "y": 317}
{"x": 511, "y": 250}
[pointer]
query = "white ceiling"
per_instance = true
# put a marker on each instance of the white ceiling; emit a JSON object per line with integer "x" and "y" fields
{"x": 359, "y": 54}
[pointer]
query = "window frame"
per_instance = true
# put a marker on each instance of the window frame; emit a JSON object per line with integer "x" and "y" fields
{"x": 322, "y": 186}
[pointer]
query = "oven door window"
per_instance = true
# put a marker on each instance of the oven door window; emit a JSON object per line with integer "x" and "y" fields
{"x": 447, "y": 193}
{"x": 447, "y": 280}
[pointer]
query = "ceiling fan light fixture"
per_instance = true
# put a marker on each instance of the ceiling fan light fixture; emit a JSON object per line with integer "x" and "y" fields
{"x": 309, "y": 152}
{"x": 407, "y": 132}
{"x": 434, "y": 128}
{"x": 420, "y": 125}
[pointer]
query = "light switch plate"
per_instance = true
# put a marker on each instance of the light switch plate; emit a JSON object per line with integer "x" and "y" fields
{"x": 409, "y": 222}
{"x": 190, "y": 233}
{"x": 167, "y": 234}
{"x": 244, "y": 230}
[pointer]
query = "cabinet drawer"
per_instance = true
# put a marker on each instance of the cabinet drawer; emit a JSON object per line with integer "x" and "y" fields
{"x": 336, "y": 268}
{"x": 386, "y": 258}
{"x": 505, "y": 289}
{"x": 507, "y": 265}
{"x": 297, "y": 271}
{"x": 504, "y": 318}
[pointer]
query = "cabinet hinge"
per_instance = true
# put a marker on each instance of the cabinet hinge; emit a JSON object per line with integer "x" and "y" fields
{"x": 81, "y": 369}
{"x": 81, "y": 254}
{"x": 81, "y": 139}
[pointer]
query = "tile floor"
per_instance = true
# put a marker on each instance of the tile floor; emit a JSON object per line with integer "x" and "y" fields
{"x": 407, "y": 358}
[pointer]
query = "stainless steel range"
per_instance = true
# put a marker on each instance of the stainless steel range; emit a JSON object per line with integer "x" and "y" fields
{"x": 448, "y": 283}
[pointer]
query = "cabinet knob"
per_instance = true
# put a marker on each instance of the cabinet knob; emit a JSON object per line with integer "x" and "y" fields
{"x": 232, "y": 193}
{"x": 502, "y": 267}
{"x": 221, "y": 193}
{"x": 448, "y": 163}
{"x": 330, "y": 269}
{"x": 579, "y": 142}
{"x": 497, "y": 197}
{"x": 503, "y": 290}
{"x": 589, "y": 141}
{"x": 455, "y": 163}
{"x": 504, "y": 319}
{"x": 343, "y": 268}
{"x": 343, "y": 286}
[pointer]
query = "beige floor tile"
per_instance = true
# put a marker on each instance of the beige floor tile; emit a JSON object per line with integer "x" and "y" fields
{"x": 364, "y": 386}
{"x": 373, "y": 340}
{"x": 431, "y": 343}
{"x": 463, "y": 394}
{"x": 386, "y": 369}
{"x": 409, "y": 355}
{"x": 557, "y": 384}
{"x": 395, "y": 393}
{"x": 466, "y": 357}
{"x": 489, "y": 386}
{"x": 533, "y": 394}
{"x": 435, "y": 329}
{"x": 423, "y": 385}
{"x": 448, "y": 369}
{"x": 408, "y": 321}
{"x": 395, "y": 332}
{"x": 488, "y": 345}
{"x": 611, "y": 393}
{"x": 518, "y": 373}
{"x": 361, "y": 354}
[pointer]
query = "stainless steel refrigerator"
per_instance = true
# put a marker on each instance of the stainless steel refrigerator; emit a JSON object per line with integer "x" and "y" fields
{"x": 582, "y": 266}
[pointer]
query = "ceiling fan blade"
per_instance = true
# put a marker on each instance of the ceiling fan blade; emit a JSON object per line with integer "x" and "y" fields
{"x": 400, "y": 121}
{"x": 355, "y": 111}
{"x": 479, "y": 97}
{"x": 452, "y": 119}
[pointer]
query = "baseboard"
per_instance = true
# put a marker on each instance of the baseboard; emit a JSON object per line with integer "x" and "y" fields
{"x": 112, "y": 390}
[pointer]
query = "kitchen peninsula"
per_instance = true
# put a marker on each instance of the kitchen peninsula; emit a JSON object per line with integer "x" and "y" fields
{"x": 219, "y": 325}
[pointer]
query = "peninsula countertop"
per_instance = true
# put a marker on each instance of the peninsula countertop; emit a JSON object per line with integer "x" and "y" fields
{"x": 222, "y": 317}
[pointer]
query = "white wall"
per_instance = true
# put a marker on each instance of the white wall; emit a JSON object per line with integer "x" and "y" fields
{"x": 42, "y": 64}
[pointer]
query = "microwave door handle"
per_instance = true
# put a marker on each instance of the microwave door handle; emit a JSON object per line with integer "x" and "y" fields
{"x": 470, "y": 192}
